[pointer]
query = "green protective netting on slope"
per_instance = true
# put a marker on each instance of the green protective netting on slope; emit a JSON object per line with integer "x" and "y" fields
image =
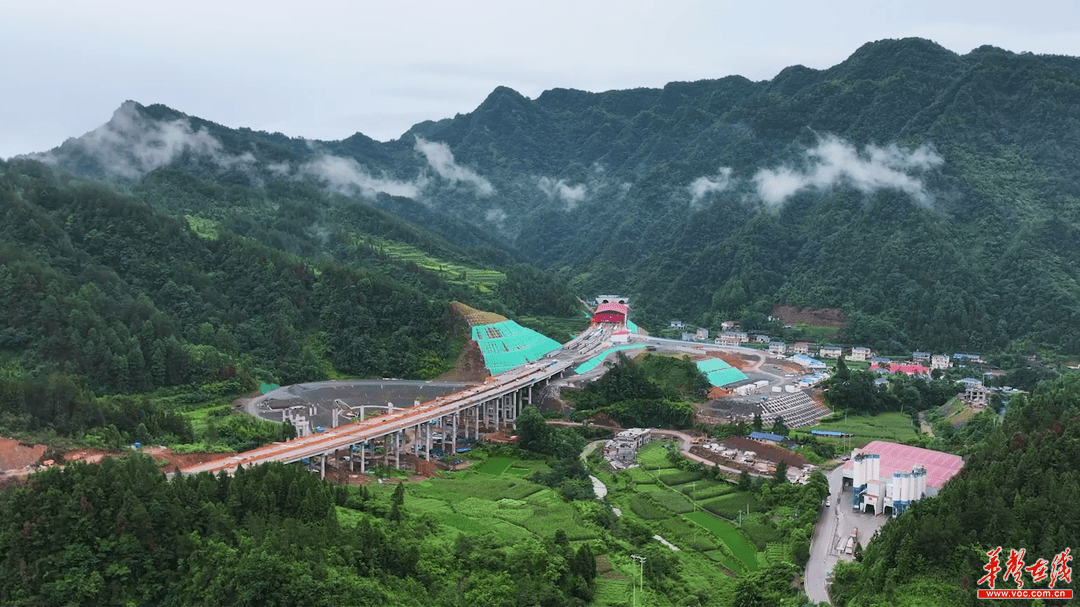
{"x": 630, "y": 326}
{"x": 712, "y": 364}
{"x": 719, "y": 373}
{"x": 506, "y": 345}
{"x": 595, "y": 361}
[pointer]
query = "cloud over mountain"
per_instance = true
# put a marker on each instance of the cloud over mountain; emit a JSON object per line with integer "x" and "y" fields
{"x": 714, "y": 183}
{"x": 350, "y": 177}
{"x": 834, "y": 162}
{"x": 560, "y": 190}
{"x": 131, "y": 144}
{"x": 441, "y": 159}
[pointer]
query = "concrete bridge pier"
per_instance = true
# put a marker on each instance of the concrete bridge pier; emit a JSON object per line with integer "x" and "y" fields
{"x": 397, "y": 450}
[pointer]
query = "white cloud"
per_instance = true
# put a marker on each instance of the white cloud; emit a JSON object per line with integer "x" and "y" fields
{"x": 705, "y": 185}
{"x": 572, "y": 195}
{"x": 131, "y": 145}
{"x": 350, "y": 177}
{"x": 496, "y": 216}
{"x": 278, "y": 168}
{"x": 441, "y": 159}
{"x": 834, "y": 161}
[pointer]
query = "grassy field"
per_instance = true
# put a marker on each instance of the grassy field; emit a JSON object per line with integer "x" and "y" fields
{"x": 653, "y": 456}
{"x": 496, "y": 465}
{"x": 894, "y": 427}
{"x": 816, "y": 333}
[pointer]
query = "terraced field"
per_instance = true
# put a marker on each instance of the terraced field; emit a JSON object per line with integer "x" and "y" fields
{"x": 454, "y": 272}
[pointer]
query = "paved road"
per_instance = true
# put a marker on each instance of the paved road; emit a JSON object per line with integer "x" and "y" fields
{"x": 836, "y": 522}
{"x": 822, "y": 557}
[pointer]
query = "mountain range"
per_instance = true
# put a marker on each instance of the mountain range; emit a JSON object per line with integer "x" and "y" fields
{"x": 931, "y": 196}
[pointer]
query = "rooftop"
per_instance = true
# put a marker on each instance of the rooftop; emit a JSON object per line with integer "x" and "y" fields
{"x": 895, "y": 457}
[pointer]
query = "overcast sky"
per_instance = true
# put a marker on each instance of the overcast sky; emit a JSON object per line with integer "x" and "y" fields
{"x": 327, "y": 69}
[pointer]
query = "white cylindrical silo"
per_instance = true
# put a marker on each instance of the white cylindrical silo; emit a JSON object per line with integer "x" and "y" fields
{"x": 875, "y": 466}
{"x": 858, "y": 472}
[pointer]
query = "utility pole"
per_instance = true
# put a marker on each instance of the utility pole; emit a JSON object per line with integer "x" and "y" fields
{"x": 641, "y": 576}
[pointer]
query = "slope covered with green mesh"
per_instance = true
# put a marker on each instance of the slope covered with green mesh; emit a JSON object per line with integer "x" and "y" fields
{"x": 506, "y": 345}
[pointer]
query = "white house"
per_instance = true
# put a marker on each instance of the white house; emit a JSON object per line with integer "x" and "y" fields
{"x": 677, "y": 324}
{"x": 727, "y": 338}
{"x": 940, "y": 361}
{"x": 861, "y": 353}
{"x": 701, "y": 334}
{"x": 801, "y": 347}
{"x": 777, "y": 347}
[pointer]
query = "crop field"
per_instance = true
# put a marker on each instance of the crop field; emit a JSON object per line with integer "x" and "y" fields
{"x": 761, "y": 535}
{"x": 893, "y": 426}
{"x": 640, "y": 476}
{"x": 729, "y": 563}
{"x": 679, "y": 477}
{"x": 687, "y": 535}
{"x": 729, "y": 506}
{"x": 647, "y": 509}
{"x": 703, "y": 490}
{"x": 511, "y": 508}
{"x": 729, "y": 535}
{"x": 496, "y": 465}
{"x": 484, "y": 280}
{"x": 675, "y": 502}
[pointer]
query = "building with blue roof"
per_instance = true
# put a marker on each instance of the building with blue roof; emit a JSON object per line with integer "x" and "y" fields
{"x": 767, "y": 437}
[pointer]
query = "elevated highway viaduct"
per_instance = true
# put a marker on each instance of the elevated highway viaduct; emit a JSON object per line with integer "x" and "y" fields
{"x": 493, "y": 404}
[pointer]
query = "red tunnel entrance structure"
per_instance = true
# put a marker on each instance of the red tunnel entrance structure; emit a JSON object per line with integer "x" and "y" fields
{"x": 610, "y": 312}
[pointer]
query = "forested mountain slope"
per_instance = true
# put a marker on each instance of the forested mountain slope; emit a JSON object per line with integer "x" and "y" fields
{"x": 931, "y": 195}
{"x": 109, "y": 287}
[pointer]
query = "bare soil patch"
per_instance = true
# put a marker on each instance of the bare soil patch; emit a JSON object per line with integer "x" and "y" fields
{"x": 16, "y": 455}
{"x": 90, "y": 456}
{"x": 469, "y": 366}
{"x": 817, "y": 317}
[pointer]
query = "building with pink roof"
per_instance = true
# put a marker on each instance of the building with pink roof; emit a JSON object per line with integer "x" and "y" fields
{"x": 903, "y": 368}
{"x": 888, "y": 477}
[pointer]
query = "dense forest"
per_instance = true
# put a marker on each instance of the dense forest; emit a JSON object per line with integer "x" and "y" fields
{"x": 929, "y": 195}
{"x": 653, "y": 392}
{"x": 107, "y": 291}
{"x": 1019, "y": 489}
{"x": 119, "y": 533}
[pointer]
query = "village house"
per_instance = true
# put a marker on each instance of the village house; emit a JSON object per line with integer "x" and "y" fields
{"x": 940, "y": 361}
{"x": 727, "y": 338}
{"x": 861, "y": 353}
{"x": 777, "y": 347}
{"x": 830, "y": 352}
{"x": 801, "y": 347}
